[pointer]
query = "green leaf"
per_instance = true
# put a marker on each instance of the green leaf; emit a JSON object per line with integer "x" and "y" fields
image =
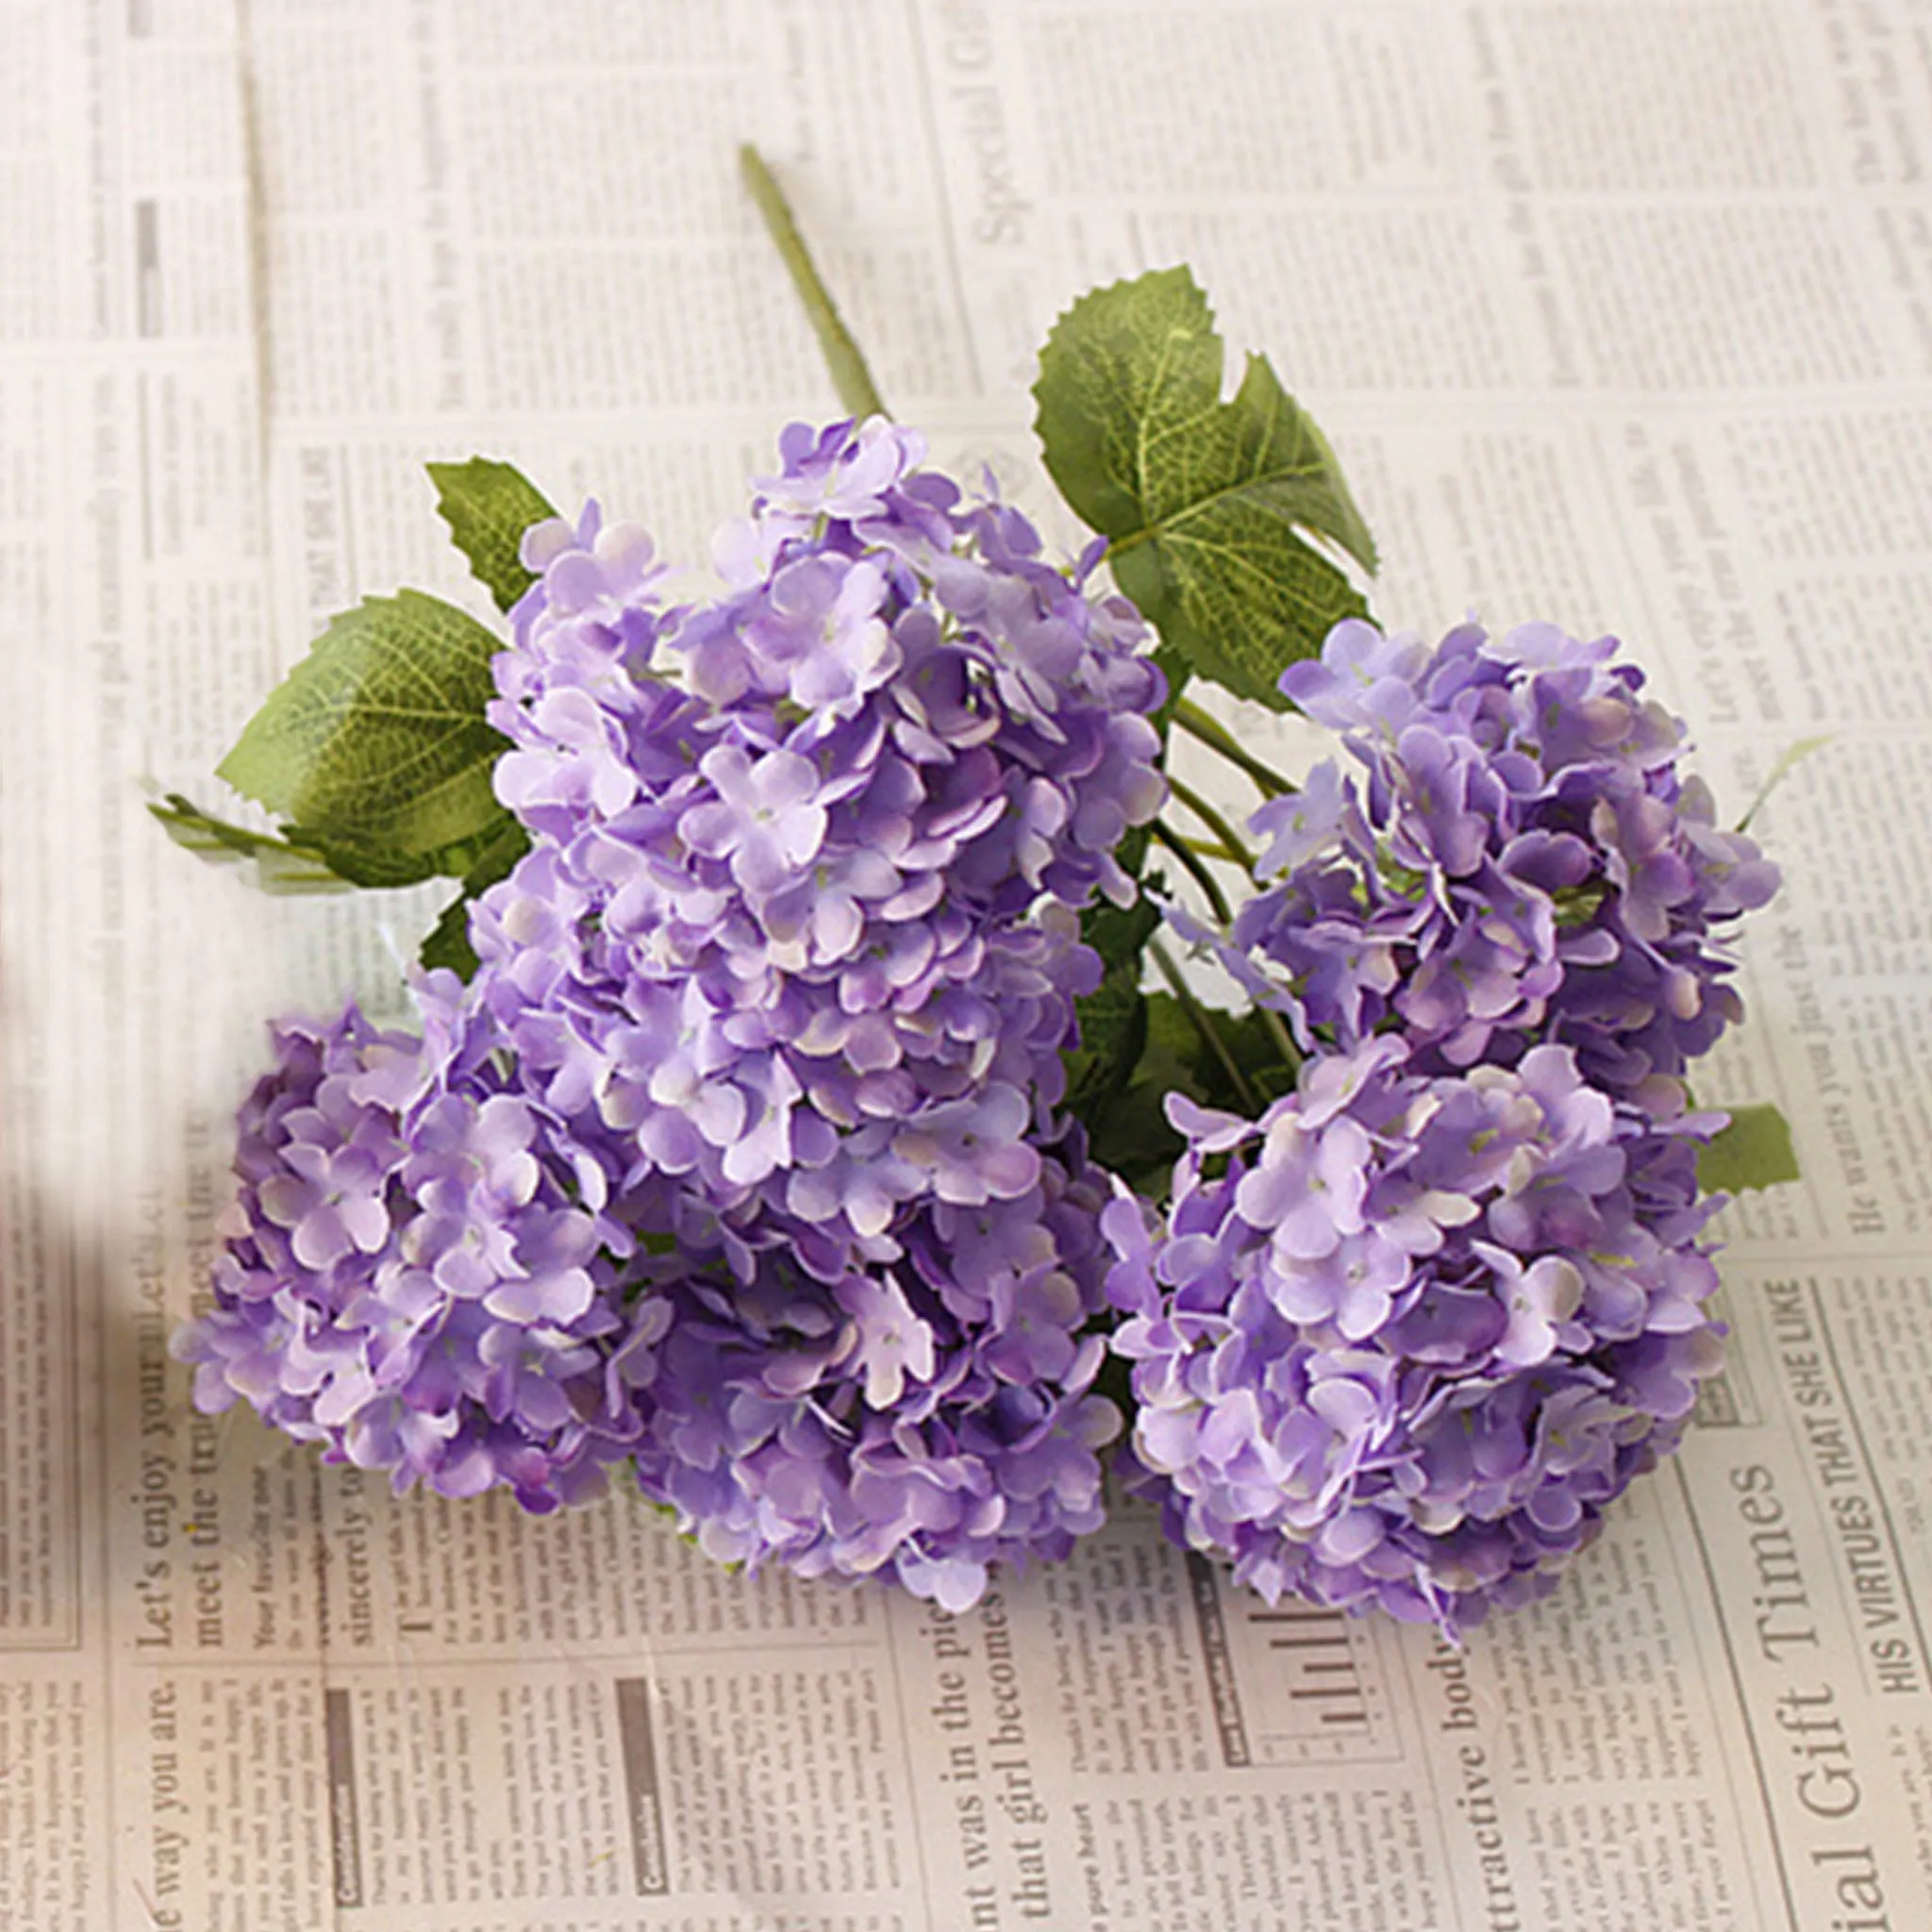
{"x": 1132, "y": 1138}
{"x": 1209, "y": 504}
{"x": 1172, "y": 1047}
{"x": 374, "y": 866}
{"x": 1113, "y": 1029}
{"x": 279, "y": 866}
{"x": 376, "y": 747}
{"x": 448, "y": 941}
{"x": 1131, "y": 854}
{"x": 488, "y": 506}
{"x": 1179, "y": 673}
{"x": 1118, "y": 933}
{"x": 1174, "y": 1041}
{"x": 1129, "y": 1133}
{"x": 1754, "y": 1150}
{"x": 1113, "y": 1020}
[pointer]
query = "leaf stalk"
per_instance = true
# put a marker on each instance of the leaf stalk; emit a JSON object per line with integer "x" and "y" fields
{"x": 1183, "y": 849}
{"x": 1211, "y": 816}
{"x": 1210, "y": 731}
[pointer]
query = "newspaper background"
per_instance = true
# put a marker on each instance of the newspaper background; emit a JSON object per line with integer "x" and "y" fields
{"x": 1620, "y": 314}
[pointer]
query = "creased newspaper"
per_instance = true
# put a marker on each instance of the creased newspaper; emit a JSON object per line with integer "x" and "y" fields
{"x": 1618, "y": 314}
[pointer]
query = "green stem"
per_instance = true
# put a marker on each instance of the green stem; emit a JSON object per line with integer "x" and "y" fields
{"x": 1212, "y": 732}
{"x": 850, "y": 377}
{"x": 1276, "y": 1026}
{"x": 1197, "y": 1016}
{"x": 1211, "y": 818}
{"x": 1283, "y": 1039}
{"x": 1196, "y": 870}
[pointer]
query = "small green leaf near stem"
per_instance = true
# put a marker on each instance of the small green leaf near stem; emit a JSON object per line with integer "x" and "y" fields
{"x": 843, "y": 360}
{"x": 1214, "y": 734}
{"x": 280, "y": 866}
{"x": 488, "y": 506}
{"x": 1753, "y": 1151}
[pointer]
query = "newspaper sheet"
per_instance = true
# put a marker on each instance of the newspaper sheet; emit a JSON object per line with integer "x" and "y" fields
{"x": 1618, "y": 313}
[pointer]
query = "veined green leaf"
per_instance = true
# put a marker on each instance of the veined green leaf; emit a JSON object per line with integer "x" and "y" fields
{"x": 1754, "y": 1150}
{"x": 488, "y": 506}
{"x": 1209, "y": 505}
{"x": 376, "y": 747}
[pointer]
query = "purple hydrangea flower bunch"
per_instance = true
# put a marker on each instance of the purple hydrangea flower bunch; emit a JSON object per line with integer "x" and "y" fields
{"x": 1405, "y": 1339}
{"x": 765, "y": 1038}
{"x": 803, "y": 947}
{"x": 741, "y": 1161}
{"x": 420, "y": 1275}
{"x": 1525, "y": 863}
{"x": 1400, "y": 1340}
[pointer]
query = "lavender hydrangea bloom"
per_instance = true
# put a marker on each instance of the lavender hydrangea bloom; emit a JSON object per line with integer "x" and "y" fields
{"x": 1419, "y": 1332}
{"x": 415, "y": 1275}
{"x": 920, "y": 1421}
{"x": 815, "y": 952}
{"x": 1447, "y": 1298}
{"x": 1524, "y": 863}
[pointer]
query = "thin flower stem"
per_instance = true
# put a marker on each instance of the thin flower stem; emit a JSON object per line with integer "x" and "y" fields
{"x": 1213, "y": 733}
{"x": 843, "y": 360}
{"x": 1237, "y": 851}
{"x": 1197, "y": 1016}
{"x": 1213, "y": 848}
{"x": 1197, "y": 870}
{"x": 1283, "y": 1039}
{"x": 1184, "y": 851}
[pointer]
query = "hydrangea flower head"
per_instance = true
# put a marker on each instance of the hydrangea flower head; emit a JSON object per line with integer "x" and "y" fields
{"x": 921, "y": 1420}
{"x": 798, "y": 921}
{"x": 1401, "y": 1340}
{"x": 1523, "y": 861}
{"x": 416, "y": 1274}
